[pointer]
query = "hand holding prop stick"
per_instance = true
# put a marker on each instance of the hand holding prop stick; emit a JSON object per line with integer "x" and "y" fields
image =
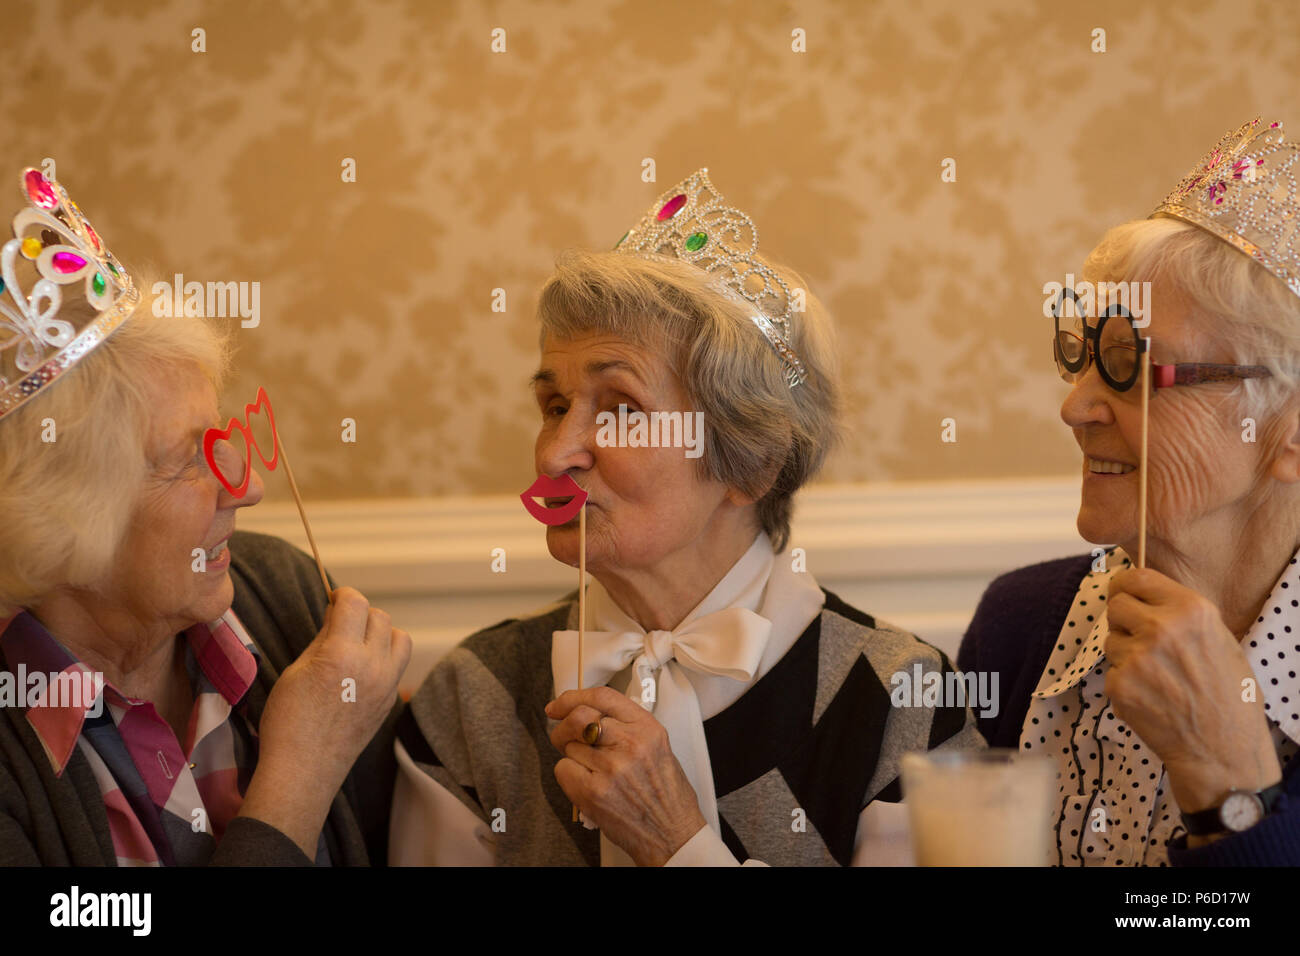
{"x": 214, "y": 435}
{"x": 565, "y": 487}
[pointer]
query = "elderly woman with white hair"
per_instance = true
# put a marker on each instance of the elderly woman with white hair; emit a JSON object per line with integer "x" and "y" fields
{"x": 1168, "y": 694}
{"x": 732, "y": 711}
{"x": 144, "y": 720}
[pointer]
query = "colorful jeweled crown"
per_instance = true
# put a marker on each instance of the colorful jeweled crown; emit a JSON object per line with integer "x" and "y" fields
{"x": 692, "y": 222}
{"x": 1244, "y": 191}
{"x": 36, "y": 346}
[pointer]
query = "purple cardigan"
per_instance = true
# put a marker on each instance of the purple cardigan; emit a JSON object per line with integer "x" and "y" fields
{"x": 1012, "y": 634}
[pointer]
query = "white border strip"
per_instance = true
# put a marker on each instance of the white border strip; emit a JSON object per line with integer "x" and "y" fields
{"x": 444, "y": 545}
{"x": 916, "y": 554}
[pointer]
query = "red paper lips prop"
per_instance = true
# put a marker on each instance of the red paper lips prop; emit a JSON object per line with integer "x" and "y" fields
{"x": 214, "y": 435}
{"x": 562, "y": 487}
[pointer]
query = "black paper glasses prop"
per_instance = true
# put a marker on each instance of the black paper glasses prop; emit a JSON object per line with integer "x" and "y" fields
{"x": 1122, "y": 357}
{"x": 1117, "y": 348}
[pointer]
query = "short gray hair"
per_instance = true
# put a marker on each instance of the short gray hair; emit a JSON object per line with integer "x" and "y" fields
{"x": 763, "y": 438}
{"x": 68, "y": 504}
{"x": 1255, "y": 317}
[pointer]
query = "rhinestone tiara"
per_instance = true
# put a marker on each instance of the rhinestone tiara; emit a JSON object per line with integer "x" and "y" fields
{"x": 1244, "y": 191}
{"x": 52, "y": 234}
{"x": 692, "y": 222}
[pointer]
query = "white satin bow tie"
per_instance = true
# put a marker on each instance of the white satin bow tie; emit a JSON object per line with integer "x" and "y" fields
{"x": 726, "y": 643}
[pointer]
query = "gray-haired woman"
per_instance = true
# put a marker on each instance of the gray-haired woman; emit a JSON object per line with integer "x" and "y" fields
{"x": 167, "y": 726}
{"x": 734, "y": 711}
{"x": 1168, "y": 694}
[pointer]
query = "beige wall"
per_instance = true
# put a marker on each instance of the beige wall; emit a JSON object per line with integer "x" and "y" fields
{"x": 475, "y": 168}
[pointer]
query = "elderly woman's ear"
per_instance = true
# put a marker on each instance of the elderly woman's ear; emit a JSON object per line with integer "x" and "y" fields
{"x": 760, "y": 487}
{"x": 740, "y": 498}
{"x": 1285, "y": 464}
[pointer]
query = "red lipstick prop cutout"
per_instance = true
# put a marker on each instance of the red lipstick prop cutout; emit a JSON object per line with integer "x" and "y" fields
{"x": 562, "y": 487}
{"x": 565, "y": 487}
{"x": 244, "y": 428}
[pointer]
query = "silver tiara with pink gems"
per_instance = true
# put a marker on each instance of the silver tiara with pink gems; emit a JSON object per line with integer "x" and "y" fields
{"x": 1244, "y": 191}
{"x": 691, "y": 222}
{"x": 58, "y": 244}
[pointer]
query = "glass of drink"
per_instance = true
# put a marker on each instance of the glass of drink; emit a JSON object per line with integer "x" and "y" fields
{"x": 980, "y": 807}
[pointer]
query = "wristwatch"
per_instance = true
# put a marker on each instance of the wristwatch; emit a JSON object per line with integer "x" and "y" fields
{"x": 1240, "y": 810}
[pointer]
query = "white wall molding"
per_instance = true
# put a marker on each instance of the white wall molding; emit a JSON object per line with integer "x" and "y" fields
{"x": 918, "y": 554}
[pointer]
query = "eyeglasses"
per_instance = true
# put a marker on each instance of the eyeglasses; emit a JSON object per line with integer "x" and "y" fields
{"x": 1117, "y": 349}
{"x": 229, "y": 461}
{"x": 234, "y": 470}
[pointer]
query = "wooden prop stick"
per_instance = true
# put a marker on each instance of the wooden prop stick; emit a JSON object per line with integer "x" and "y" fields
{"x": 582, "y": 585}
{"x": 297, "y": 499}
{"x": 1142, "y": 460}
{"x": 564, "y": 486}
{"x": 582, "y": 599}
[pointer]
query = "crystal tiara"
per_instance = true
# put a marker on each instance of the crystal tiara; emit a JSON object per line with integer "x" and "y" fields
{"x": 1244, "y": 191}
{"x": 692, "y": 222}
{"x": 57, "y": 240}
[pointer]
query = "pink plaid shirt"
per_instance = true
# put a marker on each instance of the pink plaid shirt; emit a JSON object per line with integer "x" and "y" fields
{"x": 168, "y": 800}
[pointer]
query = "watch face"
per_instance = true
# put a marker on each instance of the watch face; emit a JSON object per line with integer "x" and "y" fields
{"x": 1241, "y": 811}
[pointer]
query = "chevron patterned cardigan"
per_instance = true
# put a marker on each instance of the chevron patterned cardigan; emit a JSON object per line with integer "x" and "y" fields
{"x": 817, "y": 733}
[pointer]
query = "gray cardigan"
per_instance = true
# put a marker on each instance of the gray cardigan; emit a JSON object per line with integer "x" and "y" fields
{"x": 60, "y": 821}
{"x": 817, "y": 733}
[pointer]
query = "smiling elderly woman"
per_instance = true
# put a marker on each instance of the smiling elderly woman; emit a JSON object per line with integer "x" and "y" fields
{"x": 1168, "y": 695}
{"x": 169, "y": 728}
{"x": 734, "y": 711}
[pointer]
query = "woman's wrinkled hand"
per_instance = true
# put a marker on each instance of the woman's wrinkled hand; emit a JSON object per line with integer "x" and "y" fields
{"x": 1180, "y": 679}
{"x": 322, "y": 712}
{"x": 630, "y": 784}
{"x": 331, "y": 700}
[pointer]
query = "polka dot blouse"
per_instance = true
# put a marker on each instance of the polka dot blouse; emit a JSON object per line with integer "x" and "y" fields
{"x": 1115, "y": 807}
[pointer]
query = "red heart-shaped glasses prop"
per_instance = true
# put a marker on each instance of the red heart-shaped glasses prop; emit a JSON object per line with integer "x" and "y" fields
{"x": 214, "y": 435}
